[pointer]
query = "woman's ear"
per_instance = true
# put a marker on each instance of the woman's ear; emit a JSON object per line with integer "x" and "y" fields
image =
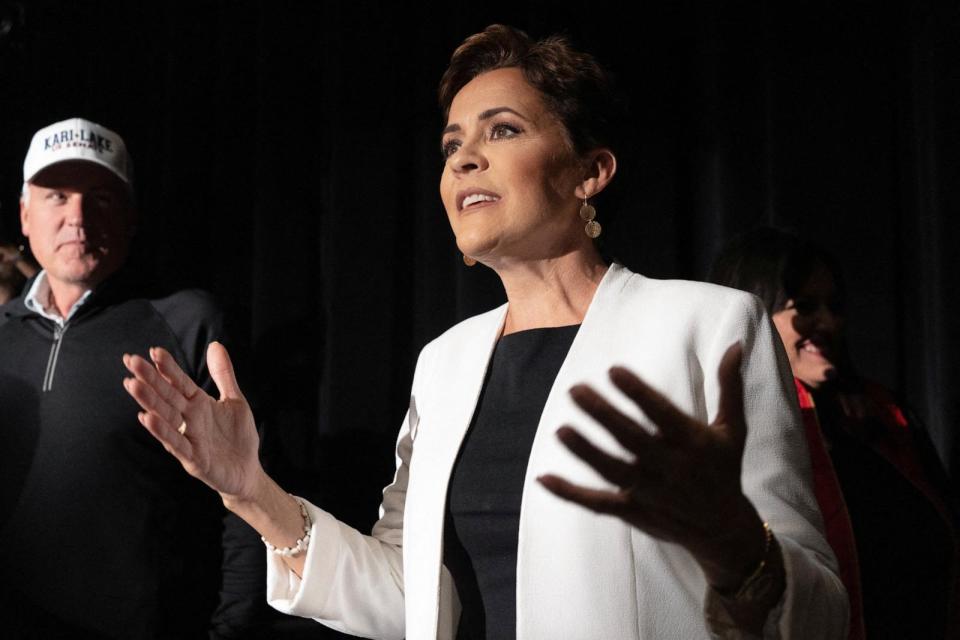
{"x": 601, "y": 166}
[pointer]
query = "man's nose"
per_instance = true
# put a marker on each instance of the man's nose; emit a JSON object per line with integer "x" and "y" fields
{"x": 77, "y": 210}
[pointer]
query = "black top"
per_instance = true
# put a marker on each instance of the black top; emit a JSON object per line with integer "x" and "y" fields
{"x": 486, "y": 486}
{"x": 904, "y": 548}
{"x": 102, "y": 534}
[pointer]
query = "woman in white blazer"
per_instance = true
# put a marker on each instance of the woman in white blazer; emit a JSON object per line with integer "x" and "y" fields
{"x": 661, "y": 485}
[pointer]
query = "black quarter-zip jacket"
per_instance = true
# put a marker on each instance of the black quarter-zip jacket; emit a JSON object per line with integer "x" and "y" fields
{"x": 101, "y": 531}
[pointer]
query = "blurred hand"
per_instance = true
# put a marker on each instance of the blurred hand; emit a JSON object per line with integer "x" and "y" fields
{"x": 216, "y": 441}
{"x": 9, "y": 252}
{"x": 13, "y": 255}
{"x": 683, "y": 484}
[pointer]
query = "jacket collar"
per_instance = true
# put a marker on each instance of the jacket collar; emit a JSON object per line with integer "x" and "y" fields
{"x": 39, "y": 294}
{"x": 120, "y": 286}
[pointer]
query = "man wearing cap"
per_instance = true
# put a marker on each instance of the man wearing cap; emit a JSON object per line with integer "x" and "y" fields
{"x": 101, "y": 534}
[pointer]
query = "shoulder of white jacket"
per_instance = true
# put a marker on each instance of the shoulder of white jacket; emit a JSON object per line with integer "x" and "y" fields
{"x": 706, "y": 296}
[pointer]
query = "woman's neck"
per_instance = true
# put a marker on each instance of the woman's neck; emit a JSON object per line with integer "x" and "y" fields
{"x": 552, "y": 292}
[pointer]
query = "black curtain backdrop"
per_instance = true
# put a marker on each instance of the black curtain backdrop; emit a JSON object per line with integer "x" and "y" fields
{"x": 287, "y": 158}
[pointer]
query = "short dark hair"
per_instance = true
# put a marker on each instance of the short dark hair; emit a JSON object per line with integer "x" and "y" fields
{"x": 575, "y": 88}
{"x": 772, "y": 264}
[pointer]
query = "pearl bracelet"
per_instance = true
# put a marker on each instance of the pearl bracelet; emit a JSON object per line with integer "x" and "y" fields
{"x": 302, "y": 543}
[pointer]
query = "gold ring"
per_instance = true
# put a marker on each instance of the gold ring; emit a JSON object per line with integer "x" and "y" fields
{"x": 183, "y": 428}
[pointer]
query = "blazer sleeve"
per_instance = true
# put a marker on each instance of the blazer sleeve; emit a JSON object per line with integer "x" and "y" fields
{"x": 777, "y": 478}
{"x": 354, "y": 582}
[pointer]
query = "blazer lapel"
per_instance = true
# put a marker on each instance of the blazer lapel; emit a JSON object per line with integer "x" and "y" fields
{"x": 455, "y": 388}
{"x": 541, "y": 513}
{"x": 462, "y": 382}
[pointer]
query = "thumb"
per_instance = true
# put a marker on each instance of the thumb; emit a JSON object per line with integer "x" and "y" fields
{"x": 221, "y": 370}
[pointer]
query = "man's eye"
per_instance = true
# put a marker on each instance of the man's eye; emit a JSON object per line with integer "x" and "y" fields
{"x": 56, "y": 196}
{"x": 103, "y": 199}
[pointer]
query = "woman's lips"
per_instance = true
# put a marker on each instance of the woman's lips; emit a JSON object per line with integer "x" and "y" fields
{"x": 475, "y": 198}
{"x": 815, "y": 349}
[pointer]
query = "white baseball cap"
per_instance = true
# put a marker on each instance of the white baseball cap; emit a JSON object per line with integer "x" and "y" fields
{"x": 77, "y": 139}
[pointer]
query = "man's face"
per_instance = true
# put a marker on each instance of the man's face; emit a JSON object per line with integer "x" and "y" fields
{"x": 79, "y": 221}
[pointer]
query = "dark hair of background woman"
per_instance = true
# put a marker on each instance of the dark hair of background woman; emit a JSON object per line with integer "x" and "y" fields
{"x": 773, "y": 265}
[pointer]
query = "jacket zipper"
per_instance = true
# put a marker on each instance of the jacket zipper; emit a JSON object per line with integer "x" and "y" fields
{"x": 58, "y": 332}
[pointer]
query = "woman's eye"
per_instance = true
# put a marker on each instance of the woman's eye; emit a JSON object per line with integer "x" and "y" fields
{"x": 836, "y": 306}
{"x": 449, "y": 148}
{"x": 805, "y": 307}
{"x": 503, "y": 130}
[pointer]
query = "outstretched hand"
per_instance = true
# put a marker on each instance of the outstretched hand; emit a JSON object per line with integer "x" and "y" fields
{"x": 215, "y": 440}
{"x": 683, "y": 483}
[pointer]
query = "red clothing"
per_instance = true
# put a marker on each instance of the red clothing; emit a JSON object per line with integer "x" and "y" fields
{"x": 896, "y": 444}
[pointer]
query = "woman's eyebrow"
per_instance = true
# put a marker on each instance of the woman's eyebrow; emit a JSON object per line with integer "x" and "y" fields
{"x": 484, "y": 115}
{"x": 489, "y": 113}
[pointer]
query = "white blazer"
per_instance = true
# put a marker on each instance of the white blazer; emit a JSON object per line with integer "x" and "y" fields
{"x": 579, "y": 575}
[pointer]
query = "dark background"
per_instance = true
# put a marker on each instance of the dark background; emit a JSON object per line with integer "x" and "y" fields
{"x": 287, "y": 159}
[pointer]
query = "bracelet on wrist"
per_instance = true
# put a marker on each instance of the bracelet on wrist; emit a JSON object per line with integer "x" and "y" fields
{"x": 767, "y": 543}
{"x": 302, "y": 543}
{"x": 734, "y": 615}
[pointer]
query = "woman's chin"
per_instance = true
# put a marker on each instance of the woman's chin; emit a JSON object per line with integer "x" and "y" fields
{"x": 476, "y": 248}
{"x": 817, "y": 378}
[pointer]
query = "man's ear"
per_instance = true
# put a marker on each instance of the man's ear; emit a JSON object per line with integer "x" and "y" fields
{"x": 24, "y": 218}
{"x": 601, "y": 166}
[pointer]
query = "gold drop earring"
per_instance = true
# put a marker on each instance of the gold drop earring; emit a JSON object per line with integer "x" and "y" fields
{"x": 587, "y": 214}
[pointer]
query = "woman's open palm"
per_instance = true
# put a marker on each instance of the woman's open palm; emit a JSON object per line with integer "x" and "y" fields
{"x": 216, "y": 441}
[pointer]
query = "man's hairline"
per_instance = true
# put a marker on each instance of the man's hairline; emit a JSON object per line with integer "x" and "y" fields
{"x": 25, "y": 194}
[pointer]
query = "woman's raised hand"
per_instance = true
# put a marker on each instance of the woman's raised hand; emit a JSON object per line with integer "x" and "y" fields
{"x": 216, "y": 441}
{"x": 683, "y": 485}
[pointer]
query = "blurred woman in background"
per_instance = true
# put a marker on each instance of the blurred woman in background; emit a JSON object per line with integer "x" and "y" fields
{"x": 881, "y": 488}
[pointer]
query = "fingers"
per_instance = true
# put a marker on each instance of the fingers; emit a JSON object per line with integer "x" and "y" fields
{"x": 598, "y": 500}
{"x": 172, "y": 372}
{"x": 221, "y": 370}
{"x": 625, "y": 430}
{"x": 670, "y": 420}
{"x": 146, "y": 388}
{"x": 171, "y": 439}
{"x": 730, "y": 412}
{"x": 159, "y": 417}
{"x": 611, "y": 468}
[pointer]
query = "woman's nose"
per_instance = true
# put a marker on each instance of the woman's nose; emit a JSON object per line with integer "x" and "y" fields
{"x": 469, "y": 158}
